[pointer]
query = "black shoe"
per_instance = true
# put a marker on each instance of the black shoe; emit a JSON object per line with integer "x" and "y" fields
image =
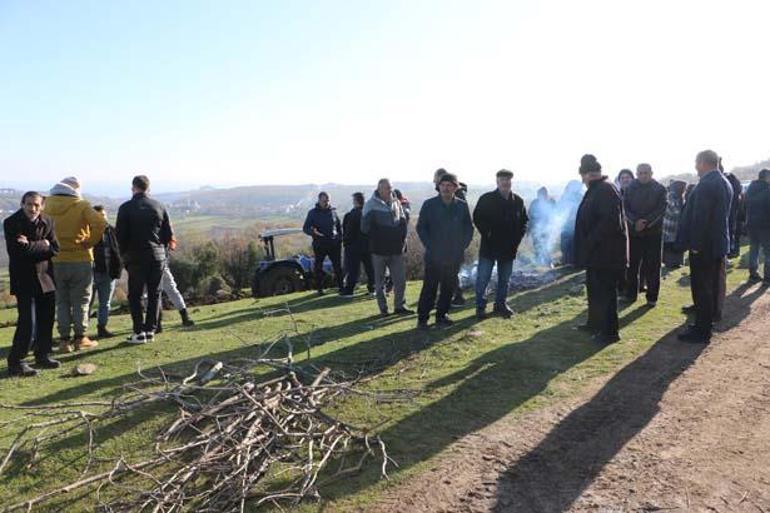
{"x": 754, "y": 278}
{"x": 458, "y": 300}
{"x": 481, "y": 314}
{"x": 403, "y": 311}
{"x": 384, "y": 313}
{"x": 159, "y": 328}
{"x": 444, "y": 322}
{"x": 320, "y": 293}
{"x": 627, "y": 300}
{"x": 21, "y": 370}
{"x": 766, "y": 282}
{"x": 695, "y": 336}
{"x": 423, "y": 325}
{"x": 605, "y": 340}
{"x": 688, "y": 309}
{"x": 503, "y": 311}
{"x": 186, "y": 321}
{"x": 47, "y": 362}
{"x": 651, "y": 303}
{"x": 103, "y": 332}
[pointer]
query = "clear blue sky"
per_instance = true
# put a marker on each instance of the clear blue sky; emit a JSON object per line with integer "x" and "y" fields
{"x": 248, "y": 92}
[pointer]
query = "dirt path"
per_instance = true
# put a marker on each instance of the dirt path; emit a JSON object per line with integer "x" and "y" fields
{"x": 682, "y": 428}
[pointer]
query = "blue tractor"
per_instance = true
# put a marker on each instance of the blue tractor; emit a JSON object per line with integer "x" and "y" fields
{"x": 274, "y": 277}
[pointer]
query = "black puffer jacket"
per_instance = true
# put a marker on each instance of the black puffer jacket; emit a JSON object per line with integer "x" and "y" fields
{"x": 143, "y": 229}
{"x": 502, "y": 223}
{"x": 758, "y": 205}
{"x": 601, "y": 236}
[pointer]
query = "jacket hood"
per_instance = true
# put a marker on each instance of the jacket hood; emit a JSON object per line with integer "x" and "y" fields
{"x": 60, "y": 204}
{"x": 63, "y": 189}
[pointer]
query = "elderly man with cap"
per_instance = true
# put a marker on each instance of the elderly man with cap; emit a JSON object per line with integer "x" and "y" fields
{"x": 445, "y": 230}
{"x": 501, "y": 219}
{"x": 78, "y": 229}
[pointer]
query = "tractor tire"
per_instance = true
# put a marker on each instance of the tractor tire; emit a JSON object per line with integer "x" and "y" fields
{"x": 281, "y": 280}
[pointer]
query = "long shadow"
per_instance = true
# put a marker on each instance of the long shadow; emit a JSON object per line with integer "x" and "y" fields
{"x": 556, "y": 472}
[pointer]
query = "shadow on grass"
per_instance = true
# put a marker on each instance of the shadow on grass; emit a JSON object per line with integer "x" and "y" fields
{"x": 555, "y": 473}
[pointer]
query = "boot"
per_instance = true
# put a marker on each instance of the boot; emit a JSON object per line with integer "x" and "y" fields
{"x": 84, "y": 343}
{"x": 186, "y": 321}
{"x": 103, "y": 332}
{"x": 22, "y": 370}
{"x": 159, "y": 325}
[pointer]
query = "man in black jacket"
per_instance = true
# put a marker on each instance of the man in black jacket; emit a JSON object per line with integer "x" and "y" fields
{"x": 704, "y": 231}
{"x": 31, "y": 243}
{"x": 501, "y": 219}
{"x": 601, "y": 247}
{"x": 445, "y": 230}
{"x": 758, "y": 224}
{"x": 144, "y": 231}
{"x": 107, "y": 269}
{"x": 645, "y": 204}
{"x": 356, "y": 246}
{"x": 323, "y": 225}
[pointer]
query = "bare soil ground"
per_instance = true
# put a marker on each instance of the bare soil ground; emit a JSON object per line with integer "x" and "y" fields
{"x": 683, "y": 428}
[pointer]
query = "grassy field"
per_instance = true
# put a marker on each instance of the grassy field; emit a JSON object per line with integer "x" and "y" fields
{"x": 465, "y": 377}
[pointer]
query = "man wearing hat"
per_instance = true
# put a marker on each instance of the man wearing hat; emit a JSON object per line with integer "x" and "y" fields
{"x": 78, "y": 229}
{"x": 501, "y": 219}
{"x": 445, "y": 230}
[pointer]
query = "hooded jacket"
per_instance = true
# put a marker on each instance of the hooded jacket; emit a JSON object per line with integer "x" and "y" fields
{"x": 758, "y": 205}
{"x": 78, "y": 226}
{"x": 601, "y": 237}
{"x": 27, "y": 262}
{"x": 385, "y": 225}
{"x": 326, "y": 221}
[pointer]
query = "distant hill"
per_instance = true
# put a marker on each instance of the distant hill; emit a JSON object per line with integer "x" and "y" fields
{"x": 744, "y": 173}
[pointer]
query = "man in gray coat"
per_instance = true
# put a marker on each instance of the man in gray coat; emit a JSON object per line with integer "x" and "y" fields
{"x": 384, "y": 222}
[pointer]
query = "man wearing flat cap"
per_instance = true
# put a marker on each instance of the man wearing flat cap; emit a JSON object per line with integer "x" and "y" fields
{"x": 501, "y": 219}
{"x": 445, "y": 230}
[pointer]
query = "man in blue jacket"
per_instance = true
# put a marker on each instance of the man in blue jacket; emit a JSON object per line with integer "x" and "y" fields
{"x": 445, "y": 230}
{"x": 323, "y": 224}
{"x": 705, "y": 232}
{"x": 758, "y": 224}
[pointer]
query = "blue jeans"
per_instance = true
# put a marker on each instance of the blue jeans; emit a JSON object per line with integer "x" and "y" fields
{"x": 759, "y": 238}
{"x": 105, "y": 287}
{"x": 484, "y": 274}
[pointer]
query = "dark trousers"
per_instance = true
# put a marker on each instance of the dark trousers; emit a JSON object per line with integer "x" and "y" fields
{"x": 142, "y": 274}
{"x": 34, "y": 327}
{"x": 707, "y": 281}
{"x": 332, "y": 250}
{"x": 602, "y": 288}
{"x": 672, "y": 257}
{"x": 354, "y": 257}
{"x": 437, "y": 274}
{"x": 644, "y": 265}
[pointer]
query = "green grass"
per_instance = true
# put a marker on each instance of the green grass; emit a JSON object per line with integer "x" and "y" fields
{"x": 467, "y": 377}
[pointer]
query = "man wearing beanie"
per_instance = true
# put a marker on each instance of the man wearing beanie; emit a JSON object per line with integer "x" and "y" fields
{"x": 462, "y": 190}
{"x": 144, "y": 233}
{"x": 501, "y": 219}
{"x": 601, "y": 247}
{"x": 445, "y": 230}
{"x": 78, "y": 229}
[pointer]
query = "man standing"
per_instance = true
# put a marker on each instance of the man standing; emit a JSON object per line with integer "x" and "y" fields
{"x": 501, "y": 219}
{"x": 384, "y": 222}
{"x": 458, "y": 299}
{"x": 705, "y": 232}
{"x": 445, "y": 230}
{"x": 601, "y": 247}
{"x": 758, "y": 224}
{"x": 356, "y": 246}
{"x": 78, "y": 229}
{"x": 323, "y": 224}
{"x": 107, "y": 269}
{"x": 645, "y": 203}
{"x": 144, "y": 232}
{"x": 31, "y": 243}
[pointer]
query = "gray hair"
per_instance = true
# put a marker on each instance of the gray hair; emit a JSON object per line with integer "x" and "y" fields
{"x": 383, "y": 181}
{"x": 708, "y": 157}
{"x": 644, "y": 167}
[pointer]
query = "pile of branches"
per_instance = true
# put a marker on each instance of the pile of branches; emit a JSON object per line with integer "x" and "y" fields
{"x": 236, "y": 439}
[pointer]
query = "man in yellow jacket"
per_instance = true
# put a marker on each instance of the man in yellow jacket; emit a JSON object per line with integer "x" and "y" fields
{"x": 78, "y": 228}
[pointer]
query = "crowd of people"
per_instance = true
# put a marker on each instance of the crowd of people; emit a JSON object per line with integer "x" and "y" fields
{"x": 621, "y": 232}
{"x": 61, "y": 249}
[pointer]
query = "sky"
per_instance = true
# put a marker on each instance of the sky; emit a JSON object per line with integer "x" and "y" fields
{"x": 225, "y": 93}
